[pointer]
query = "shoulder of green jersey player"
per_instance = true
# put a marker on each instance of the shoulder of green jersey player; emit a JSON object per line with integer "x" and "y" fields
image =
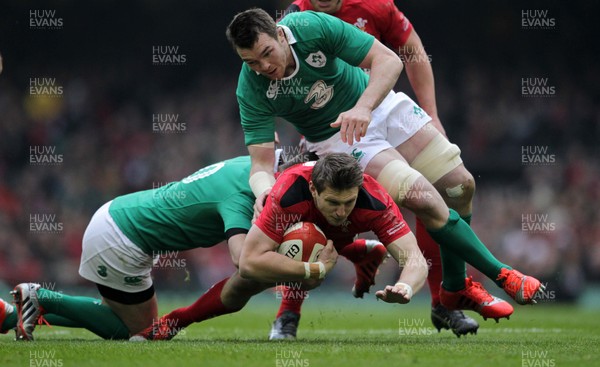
{"x": 331, "y": 35}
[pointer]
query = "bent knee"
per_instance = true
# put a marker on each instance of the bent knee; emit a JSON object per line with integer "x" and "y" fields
{"x": 458, "y": 184}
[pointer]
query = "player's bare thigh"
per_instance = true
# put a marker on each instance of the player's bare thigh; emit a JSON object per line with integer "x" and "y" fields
{"x": 416, "y": 143}
{"x": 380, "y": 160}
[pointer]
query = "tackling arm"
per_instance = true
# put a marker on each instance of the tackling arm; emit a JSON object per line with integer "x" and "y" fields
{"x": 385, "y": 68}
{"x": 261, "y": 173}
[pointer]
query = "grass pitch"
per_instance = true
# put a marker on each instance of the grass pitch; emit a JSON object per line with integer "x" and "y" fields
{"x": 338, "y": 331}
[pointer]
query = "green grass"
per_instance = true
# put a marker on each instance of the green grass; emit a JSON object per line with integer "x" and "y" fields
{"x": 340, "y": 331}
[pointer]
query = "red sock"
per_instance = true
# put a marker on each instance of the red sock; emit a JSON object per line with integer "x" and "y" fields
{"x": 291, "y": 299}
{"x": 356, "y": 251}
{"x": 209, "y": 305}
{"x": 431, "y": 252}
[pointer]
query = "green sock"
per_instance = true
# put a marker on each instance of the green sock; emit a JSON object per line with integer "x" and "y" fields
{"x": 458, "y": 239}
{"x": 11, "y": 321}
{"x": 56, "y": 320}
{"x": 454, "y": 268}
{"x": 85, "y": 312}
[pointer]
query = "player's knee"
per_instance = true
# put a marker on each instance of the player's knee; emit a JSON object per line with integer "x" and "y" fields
{"x": 458, "y": 186}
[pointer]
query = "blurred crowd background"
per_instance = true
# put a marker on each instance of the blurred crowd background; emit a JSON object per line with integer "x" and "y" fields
{"x": 66, "y": 152}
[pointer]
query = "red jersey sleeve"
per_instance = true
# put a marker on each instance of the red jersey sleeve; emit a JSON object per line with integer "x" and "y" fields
{"x": 270, "y": 220}
{"x": 394, "y": 26}
{"x": 389, "y": 224}
{"x": 275, "y": 219}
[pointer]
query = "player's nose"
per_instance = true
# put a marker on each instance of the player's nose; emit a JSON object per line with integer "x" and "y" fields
{"x": 265, "y": 65}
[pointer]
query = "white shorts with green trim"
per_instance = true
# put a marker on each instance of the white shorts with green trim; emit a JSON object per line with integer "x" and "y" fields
{"x": 110, "y": 258}
{"x": 392, "y": 123}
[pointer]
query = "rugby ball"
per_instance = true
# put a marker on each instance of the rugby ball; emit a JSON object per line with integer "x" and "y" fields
{"x": 303, "y": 241}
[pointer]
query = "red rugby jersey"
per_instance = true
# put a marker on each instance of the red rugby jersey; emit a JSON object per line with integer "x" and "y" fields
{"x": 290, "y": 201}
{"x": 380, "y": 18}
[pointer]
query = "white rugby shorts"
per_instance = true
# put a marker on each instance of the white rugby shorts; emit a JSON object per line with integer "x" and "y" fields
{"x": 110, "y": 258}
{"x": 393, "y": 122}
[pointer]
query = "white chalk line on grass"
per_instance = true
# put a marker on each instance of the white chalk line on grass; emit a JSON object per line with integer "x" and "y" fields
{"x": 481, "y": 330}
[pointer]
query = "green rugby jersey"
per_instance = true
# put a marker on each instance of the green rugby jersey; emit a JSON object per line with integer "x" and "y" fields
{"x": 194, "y": 212}
{"x": 326, "y": 81}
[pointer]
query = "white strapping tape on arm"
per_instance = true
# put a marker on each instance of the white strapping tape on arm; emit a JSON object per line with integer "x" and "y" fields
{"x": 261, "y": 181}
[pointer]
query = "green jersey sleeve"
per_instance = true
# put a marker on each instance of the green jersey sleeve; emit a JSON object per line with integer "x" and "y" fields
{"x": 257, "y": 118}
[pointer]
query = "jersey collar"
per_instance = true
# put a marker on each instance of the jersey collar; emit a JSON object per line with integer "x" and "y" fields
{"x": 291, "y": 40}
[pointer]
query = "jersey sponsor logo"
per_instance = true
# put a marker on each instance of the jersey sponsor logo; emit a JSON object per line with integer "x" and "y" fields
{"x": 361, "y": 24}
{"x": 316, "y": 59}
{"x": 322, "y": 94}
{"x": 273, "y": 90}
{"x": 345, "y": 225}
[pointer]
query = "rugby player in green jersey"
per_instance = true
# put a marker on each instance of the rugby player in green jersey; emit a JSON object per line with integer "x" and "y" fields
{"x": 123, "y": 239}
{"x": 307, "y": 70}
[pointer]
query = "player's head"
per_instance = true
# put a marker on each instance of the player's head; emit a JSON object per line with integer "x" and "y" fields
{"x": 327, "y": 6}
{"x": 260, "y": 43}
{"x": 335, "y": 181}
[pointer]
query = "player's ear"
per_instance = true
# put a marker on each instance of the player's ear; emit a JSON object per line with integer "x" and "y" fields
{"x": 313, "y": 189}
{"x": 280, "y": 34}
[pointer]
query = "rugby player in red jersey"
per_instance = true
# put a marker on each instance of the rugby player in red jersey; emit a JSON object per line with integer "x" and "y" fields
{"x": 382, "y": 19}
{"x": 334, "y": 194}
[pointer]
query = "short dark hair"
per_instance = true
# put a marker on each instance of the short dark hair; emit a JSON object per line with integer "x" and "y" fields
{"x": 337, "y": 171}
{"x": 244, "y": 29}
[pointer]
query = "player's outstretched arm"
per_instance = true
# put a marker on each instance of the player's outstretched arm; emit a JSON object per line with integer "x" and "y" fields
{"x": 414, "y": 270}
{"x": 385, "y": 68}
